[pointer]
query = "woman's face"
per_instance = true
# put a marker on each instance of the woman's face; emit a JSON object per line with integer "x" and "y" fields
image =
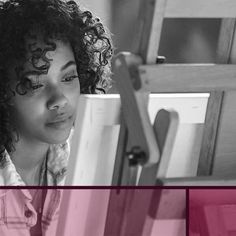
{"x": 47, "y": 112}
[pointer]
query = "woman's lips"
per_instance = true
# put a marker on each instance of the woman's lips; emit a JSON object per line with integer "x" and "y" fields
{"x": 60, "y": 124}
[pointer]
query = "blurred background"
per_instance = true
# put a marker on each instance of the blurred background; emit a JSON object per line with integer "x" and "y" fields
{"x": 192, "y": 41}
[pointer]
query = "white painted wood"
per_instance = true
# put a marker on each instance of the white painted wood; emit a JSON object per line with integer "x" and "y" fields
{"x": 94, "y": 142}
{"x": 83, "y": 212}
{"x": 96, "y": 134}
{"x": 173, "y": 227}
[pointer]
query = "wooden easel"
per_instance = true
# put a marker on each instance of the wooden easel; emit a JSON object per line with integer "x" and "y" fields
{"x": 131, "y": 218}
{"x": 137, "y": 74}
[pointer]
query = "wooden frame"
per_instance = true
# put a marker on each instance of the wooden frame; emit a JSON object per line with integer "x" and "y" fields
{"x": 142, "y": 207}
{"x": 137, "y": 74}
{"x": 84, "y": 211}
{"x": 197, "y": 181}
{"x": 92, "y": 161}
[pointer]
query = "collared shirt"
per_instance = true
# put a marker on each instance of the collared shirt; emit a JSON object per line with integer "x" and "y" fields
{"x": 17, "y": 214}
{"x": 53, "y": 168}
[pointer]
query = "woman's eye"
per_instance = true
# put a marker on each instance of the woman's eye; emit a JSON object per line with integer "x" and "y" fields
{"x": 70, "y": 78}
{"x": 37, "y": 86}
{"x": 30, "y": 85}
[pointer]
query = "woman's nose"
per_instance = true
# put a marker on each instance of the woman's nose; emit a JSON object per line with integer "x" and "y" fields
{"x": 57, "y": 100}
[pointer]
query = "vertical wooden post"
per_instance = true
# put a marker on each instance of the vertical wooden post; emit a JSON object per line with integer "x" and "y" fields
{"x": 214, "y": 108}
{"x": 148, "y": 29}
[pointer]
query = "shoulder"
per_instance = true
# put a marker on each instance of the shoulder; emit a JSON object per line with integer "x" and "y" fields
{"x": 3, "y": 192}
{"x": 8, "y": 173}
{"x": 5, "y": 169}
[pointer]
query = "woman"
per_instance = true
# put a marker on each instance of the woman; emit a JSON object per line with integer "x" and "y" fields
{"x": 50, "y": 52}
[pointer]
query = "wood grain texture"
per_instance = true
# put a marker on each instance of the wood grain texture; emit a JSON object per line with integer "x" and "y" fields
{"x": 129, "y": 209}
{"x": 225, "y": 153}
{"x": 165, "y": 128}
{"x": 165, "y": 204}
{"x": 134, "y": 105}
{"x": 214, "y": 108}
{"x": 197, "y": 181}
{"x": 119, "y": 166}
{"x": 207, "y": 151}
{"x": 200, "y": 9}
{"x": 224, "y": 161}
{"x": 148, "y": 29}
{"x": 225, "y": 41}
{"x": 117, "y": 209}
{"x": 171, "y": 204}
{"x": 173, "y": 78}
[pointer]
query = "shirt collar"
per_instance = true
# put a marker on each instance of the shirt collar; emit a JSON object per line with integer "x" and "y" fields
{"x": 25, "y": 192}
{"x": 53, "y": 168}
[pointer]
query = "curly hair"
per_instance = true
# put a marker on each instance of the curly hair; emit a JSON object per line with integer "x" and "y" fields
{"x": 54, "y": 20}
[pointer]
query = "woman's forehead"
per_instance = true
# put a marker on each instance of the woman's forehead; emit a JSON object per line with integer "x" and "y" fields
{"x": 40, "y": 56}
{"x": 47, "y": 50}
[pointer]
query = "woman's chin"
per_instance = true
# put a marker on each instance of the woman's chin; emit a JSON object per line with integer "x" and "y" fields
{"x": 59, "y": 137}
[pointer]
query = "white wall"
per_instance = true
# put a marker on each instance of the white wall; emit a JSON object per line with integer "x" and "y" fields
{"x": 101, "y": 8}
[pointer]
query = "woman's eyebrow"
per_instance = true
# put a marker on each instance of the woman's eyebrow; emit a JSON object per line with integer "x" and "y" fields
{"x": 70, "y": 63}
{"x": 29, "y": 73}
